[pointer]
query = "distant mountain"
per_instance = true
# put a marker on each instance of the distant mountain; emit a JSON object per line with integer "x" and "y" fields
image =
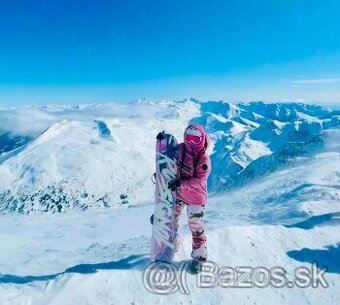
{"x": 97, "y": 156}
{"x": 10, "y": 141}
{"x": 256, "y": 138}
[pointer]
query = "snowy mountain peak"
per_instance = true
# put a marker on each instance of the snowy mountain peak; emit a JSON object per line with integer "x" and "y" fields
{"x": 95, "y": 155}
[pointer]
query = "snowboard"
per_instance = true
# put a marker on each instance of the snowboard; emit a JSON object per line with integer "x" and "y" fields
{"x": 163, "y": 227}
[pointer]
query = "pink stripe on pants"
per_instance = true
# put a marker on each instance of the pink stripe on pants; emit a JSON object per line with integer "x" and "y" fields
{"x": 195, "y": 214}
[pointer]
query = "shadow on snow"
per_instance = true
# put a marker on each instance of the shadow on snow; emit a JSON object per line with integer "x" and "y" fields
{"x": 137, "y": 262}
{"x": 320, "y": 220}
{"x": 326, "y": 258}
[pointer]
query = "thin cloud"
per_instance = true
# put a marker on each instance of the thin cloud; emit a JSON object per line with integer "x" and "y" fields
{"x": 316, "y": 81}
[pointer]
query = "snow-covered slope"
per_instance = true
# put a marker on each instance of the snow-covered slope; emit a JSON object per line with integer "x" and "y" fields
{"x": 78, "y": 157}
{"x": 280, "y": 164}
{"x": 288, "y": 219}
{"x": 254, "y": 139}
{"x": 91, "y": 160}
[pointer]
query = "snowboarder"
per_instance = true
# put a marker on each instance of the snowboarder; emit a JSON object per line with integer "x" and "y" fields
{"x": 191, "y": 189}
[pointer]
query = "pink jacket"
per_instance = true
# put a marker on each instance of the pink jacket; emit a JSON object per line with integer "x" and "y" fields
{"x": 193, "y": 169}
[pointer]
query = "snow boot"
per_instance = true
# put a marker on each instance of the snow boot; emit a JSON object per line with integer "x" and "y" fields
{"x": 195, "y": 267}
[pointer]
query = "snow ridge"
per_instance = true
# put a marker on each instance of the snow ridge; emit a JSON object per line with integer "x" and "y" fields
{"x": 100, "y": 156}
{"x": 254, "y": 139}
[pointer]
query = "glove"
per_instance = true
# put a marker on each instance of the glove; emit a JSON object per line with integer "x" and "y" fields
{"x": 174, "y": 184}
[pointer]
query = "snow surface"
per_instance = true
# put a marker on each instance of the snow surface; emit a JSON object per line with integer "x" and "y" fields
{"x": 275, "y": 200}
{"x": 97, "y": 156}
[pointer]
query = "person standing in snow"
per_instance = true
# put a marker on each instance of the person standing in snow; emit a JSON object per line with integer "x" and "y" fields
{"x": 191, "y": 187}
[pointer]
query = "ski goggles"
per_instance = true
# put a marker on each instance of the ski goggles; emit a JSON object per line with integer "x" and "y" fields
{"x": 193, "y": 136}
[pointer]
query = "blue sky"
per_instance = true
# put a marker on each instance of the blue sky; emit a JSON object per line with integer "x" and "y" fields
{"x": 108, "y": 50}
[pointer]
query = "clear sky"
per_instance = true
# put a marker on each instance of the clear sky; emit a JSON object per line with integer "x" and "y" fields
{"x": 110, "y": 50}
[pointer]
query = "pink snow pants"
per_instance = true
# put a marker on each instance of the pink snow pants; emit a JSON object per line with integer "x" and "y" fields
{"x": 195, "y": 214}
